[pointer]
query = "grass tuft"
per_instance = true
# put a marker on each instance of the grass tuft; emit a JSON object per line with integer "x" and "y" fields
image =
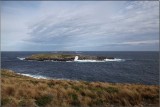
{"x": 5, "y": 101}
{"x": 44, "y": 100}
{"x": 112, "y": 90}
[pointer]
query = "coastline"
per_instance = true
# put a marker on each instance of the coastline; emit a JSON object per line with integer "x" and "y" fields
{"x": 20, "y": 90}
{"x": 43, "y": 77}
{"x": 66, "y": 79}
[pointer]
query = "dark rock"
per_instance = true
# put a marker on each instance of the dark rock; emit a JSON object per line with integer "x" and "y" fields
{"x": 110, "y": 57}
{"x": 101, "y": 57}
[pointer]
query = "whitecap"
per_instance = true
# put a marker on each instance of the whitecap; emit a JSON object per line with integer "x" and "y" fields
{"x": 44, "y": 77}
{"x": 88, "y": 61}
{"x": 105, "y": 60}
{"x": 34, "y": 76}
{"x": 69, "y": 61}
{"x": 21, "y": 58}
{"x": 115, "y": 59}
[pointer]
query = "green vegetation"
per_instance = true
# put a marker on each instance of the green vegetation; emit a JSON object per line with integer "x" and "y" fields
{"x": 41, "y": 57}
{"x": 112, "y": 89}
{"x": 47, "y": 56}
{"x": 44, "y": 100}
{"x": 22, "y": 91}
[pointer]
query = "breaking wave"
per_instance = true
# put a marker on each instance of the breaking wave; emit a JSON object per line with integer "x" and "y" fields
{"x": 116, "y": 59}
{"x": 20, "y": 58}
{"x": 105, "y": 60}
{"x": 34, "y": 76}
{"x": 43, "y": 77}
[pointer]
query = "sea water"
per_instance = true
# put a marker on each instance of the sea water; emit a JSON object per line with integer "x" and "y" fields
{"x": 128, "y": 67}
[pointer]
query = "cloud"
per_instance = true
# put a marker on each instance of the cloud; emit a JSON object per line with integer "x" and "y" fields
{"x": 96, "y": 25}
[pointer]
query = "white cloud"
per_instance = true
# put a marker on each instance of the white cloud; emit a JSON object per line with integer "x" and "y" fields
{"x": 140, "y": 42}
{"x": 87, "y": 24}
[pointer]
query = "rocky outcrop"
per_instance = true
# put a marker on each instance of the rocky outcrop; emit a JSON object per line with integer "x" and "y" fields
{"x": 64, "y": 57}
{"x": 53, "y": 59}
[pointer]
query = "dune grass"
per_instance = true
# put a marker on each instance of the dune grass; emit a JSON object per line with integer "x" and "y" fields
{"x": 22, "y": 91}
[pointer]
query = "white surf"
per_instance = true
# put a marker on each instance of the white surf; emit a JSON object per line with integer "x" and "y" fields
{"x": 20, "y": 58}
{"x": 105, "y": 60}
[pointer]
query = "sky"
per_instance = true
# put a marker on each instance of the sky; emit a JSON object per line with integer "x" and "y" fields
{"x": 80, "y": 25}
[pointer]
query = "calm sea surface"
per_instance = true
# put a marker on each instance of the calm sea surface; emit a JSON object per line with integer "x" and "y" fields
{"x": 138, "y": 67}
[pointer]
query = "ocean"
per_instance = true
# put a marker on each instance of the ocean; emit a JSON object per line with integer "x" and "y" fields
{"x": 134, "y": 67}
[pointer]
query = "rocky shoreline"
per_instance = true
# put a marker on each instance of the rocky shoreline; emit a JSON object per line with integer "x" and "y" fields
{"x": 64, "y": 57}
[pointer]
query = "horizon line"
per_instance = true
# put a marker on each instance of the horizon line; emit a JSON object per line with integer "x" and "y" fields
{"x": 87, "y": 51}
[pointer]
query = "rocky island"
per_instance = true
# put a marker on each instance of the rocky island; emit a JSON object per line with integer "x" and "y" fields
{"x": 65, "y": 57}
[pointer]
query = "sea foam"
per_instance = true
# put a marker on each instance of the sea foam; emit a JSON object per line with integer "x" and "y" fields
{"x": 116, "y": 59}
{"x": 20, "y": 58}
{"x": 34, "y": 76}
{"x": 43, "y": 77}
{"x": 105, "y": 60}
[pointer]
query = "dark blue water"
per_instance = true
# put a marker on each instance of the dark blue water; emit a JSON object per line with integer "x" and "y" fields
{"x": 138, "y": 67}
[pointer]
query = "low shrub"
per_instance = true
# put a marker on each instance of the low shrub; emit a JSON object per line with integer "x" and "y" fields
{"x": 5, "y": 101}
{"x": 74, "y": 101}
{"x": 34, "y": 82}
{"x": 111, "y": 89}
{"x": 10, "y": 90}
{"x": 51, "y": 84}
{"x": 44, "y": 100}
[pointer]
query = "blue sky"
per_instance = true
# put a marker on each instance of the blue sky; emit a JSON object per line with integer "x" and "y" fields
{"x": 80, "y": 26}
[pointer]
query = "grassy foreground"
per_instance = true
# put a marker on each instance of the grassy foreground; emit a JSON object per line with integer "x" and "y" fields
{"x": 22, "y": 91}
